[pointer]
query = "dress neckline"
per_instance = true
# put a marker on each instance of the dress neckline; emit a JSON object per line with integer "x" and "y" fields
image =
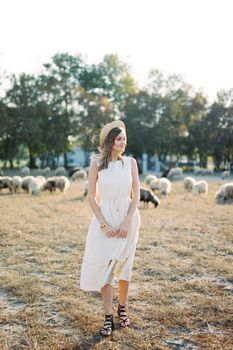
{"x": 118, "y": 160}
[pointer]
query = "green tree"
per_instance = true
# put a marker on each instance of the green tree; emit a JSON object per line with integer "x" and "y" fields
{"x": 60, "y": 89}
{"x": 173, "y": 96}
{"x": 141, "y": 114}
{"x": 95, "y": 111}
{"x": 8, "y": 143}
{"x": 197, "y": 142}
{"x": 23, "y": 120}
{"x": 103, "y": 91}
{"x": 220, "y": 123}
{"x": 110, "y": 78}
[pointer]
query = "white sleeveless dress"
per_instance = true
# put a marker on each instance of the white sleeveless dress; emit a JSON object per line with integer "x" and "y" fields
{"x": 107, "y": 260}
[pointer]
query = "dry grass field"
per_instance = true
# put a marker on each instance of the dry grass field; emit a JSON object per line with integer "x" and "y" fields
{"x": 181, "y": 294}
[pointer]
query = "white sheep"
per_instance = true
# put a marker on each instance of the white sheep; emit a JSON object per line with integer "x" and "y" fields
{"x": 63, "y": 183}
{"x": 164, "y": 186}
{"x": 208, "y": 172}
{"x": 200, "y": 187}
{"x": 35, "y": 185}
{"x": 46, "y": 171}
{"x": 150, "y": 178}
{"x": 154, "y": 185}
{"x": 6, "y": 182}
{"x": 25, "y": 182}
{"x": 225, "y": 193}
{"x": 79, "y": 175}
{"x": 16, "y": 183}
{"x": 42, "y": 178}
{"x": 25, "y": 171}
{"x": 60, "y": 171}
{"x": 175, "y": 172}
{"x": 203, "y": 171}
{"x": 188, "y": 183}
{"x": 225, "y": 174}
{"x": 198, "y": 171}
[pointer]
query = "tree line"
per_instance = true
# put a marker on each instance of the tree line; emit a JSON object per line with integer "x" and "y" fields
{"x": 70, "y": 100}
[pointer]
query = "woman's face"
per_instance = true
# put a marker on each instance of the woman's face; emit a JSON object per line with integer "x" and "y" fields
{"x": 120, "y": 142}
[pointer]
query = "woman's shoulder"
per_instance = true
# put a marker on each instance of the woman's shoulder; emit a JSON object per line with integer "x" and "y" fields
{"x": 130, "y": 162}
{"x": 94, "y": 160}
{"x": 129, "y": 159}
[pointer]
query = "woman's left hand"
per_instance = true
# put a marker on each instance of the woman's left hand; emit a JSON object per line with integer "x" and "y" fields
{"x": 124, "y": 229}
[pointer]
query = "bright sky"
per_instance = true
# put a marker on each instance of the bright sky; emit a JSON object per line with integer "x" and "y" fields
{"x": 188, "y": 37}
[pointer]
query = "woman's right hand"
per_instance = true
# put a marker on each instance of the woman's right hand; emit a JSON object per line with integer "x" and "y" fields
{"x": 109, "y": 231}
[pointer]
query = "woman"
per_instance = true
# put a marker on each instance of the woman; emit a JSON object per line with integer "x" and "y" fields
{"x": 113, "y": 232}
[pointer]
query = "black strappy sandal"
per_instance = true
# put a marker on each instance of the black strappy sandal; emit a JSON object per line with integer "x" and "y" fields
{"x": 124, "y": 319}
{"x": 108, "y": 326}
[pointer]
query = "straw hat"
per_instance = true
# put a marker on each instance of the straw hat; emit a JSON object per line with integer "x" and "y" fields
{"x": 108, "y": 127}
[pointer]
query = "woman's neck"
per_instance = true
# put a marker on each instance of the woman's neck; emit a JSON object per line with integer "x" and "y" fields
{"x": 115, "y": 156}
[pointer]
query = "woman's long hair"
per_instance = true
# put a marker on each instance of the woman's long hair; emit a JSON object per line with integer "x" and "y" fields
{"x": 104, "y": 155}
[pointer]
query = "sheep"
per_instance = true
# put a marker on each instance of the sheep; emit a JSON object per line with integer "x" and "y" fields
{"x": 25, "y": 171}
{"x": 16, "y": 183}
{"x": 203, "y": 171}
{"x": 79, "y": 174}
{"x": 208, "y": 172}
{"x": 198, "y": 171}
{"x": 63, "y": 183}
{"x": 85, "y": 187}
{"x": 175, "y": 172}
{"x": 147, "y": 196}
{"x": 46, "y": 171}
{"x": 150, "y": 178}
{"x": 86, "y": 168}
{"x": 35, "y": 185}
{"x": 25, "y": 182}
{"x": 225, "y": 174}
{"x": 228, "y": 191}
{"x": 165, "y": 173}
{"x": 73, "y": 170}
{"x": 42, "y": 178}
{"x": 6, "y": 182}
{"x": 225, "y": 193}
{"x": 50, "y": 184}
{"x": 200, "y": 187}
{"x": 188, "y": 183}
{"x": 164, "y": 186}
{"x": 154, "y": 185}
{"x": 60, "y": 171}
{"x": 219, "y": 196}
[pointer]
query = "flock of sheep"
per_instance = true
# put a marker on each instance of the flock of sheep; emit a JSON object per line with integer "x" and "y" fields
{"x": 36, "y": 184}
{"x": 162, "y": 186}
{"x": 153, "y": 185}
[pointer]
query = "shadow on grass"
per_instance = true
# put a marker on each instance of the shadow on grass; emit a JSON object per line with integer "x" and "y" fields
{"x": 93, "y": 340}
{"x": 97, "y": 338}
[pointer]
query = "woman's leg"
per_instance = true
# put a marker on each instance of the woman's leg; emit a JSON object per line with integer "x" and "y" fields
{"x": 123, "y": 294}
{"x": 123, "y": 291}
{"x": 107, "y": 296}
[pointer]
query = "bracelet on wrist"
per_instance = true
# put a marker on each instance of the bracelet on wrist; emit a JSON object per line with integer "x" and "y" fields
{"x": 104, "y": 225}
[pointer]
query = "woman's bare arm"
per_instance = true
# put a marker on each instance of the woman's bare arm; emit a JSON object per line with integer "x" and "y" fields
{"x": 135, "y": 190}
{"x": 124, "y": 228}
{"x": 92, "y": 181}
